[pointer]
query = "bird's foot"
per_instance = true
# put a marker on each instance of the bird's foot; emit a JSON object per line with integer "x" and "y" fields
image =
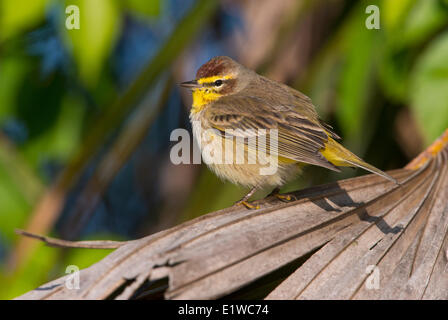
{"x": 283, "y": 197}
{"x": 247, "y": 204}
{"x": 244, "y": 201}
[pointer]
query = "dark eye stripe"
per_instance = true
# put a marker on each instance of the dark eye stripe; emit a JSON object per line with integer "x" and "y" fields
{"x": 216, "y": 83}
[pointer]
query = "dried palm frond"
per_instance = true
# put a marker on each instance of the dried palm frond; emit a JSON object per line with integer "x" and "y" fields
{"x": 360, "y": 238}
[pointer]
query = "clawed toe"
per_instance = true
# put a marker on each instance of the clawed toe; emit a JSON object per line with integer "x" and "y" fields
{"x": 248, "y": 205}
{"x": 284, "y": 197}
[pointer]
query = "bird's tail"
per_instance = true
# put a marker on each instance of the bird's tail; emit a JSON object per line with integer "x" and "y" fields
{"x": 341, "y": 157}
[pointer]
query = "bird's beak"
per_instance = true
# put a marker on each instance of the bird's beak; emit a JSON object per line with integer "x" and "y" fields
{"x": 193, "y": 84}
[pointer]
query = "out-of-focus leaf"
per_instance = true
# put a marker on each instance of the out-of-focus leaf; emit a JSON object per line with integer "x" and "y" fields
{"x": 353, "y": 94}
{"x": 20, "y": 172}
{"x": 13, "y": 70}
{"x": 422, "y": 20}
{"x": 52, "y": 119}
{"x": 91, "y": 43}
{"x": 323, "y": 77}
{"x": 66, "y": 136}
{"x": 426, "y": 17}
{"x": 38, "y": 103}
{"x": 150, "y": 8}
{"x": 30, "y": 274}
{"x": 15, "y": 16}
{"x": 393, "y": 12}
{"x": 429, "y": 89}
{"x": 393, "y": 73}
{"x": 61, "y": 139}
{"x": 13, "y": 203}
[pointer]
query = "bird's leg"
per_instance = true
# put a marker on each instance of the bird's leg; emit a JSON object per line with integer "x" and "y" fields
{"x": 244, "y": 201}
{"x": 279, "y": 196}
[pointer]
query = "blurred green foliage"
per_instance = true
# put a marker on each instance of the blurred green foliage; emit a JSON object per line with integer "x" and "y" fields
{"x": 91, "y": 44}
{"x": 59, "y": 113}
{"x": 429, "y": 88}
{"x": 16, "y": 16}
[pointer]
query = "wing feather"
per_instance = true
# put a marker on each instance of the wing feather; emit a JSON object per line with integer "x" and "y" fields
{"x": 299, "y": 138}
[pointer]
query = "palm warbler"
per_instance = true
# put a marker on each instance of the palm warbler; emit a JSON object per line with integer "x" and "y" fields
{"x": 233, "y": 103}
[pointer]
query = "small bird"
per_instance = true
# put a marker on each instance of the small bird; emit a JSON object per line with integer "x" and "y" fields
{"x": 231, "y": 102}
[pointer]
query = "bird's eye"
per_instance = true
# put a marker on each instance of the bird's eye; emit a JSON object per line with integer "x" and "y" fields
{"x": 218, "y": 83}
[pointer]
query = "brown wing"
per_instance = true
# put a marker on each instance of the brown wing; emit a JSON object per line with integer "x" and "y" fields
{"x": 299, "y": 138}
{"x": 303, "y": 104}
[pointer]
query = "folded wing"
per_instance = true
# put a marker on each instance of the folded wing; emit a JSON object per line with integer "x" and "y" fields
{"x": 300, "y": 139}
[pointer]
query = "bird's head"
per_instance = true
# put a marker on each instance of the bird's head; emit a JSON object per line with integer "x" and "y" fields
{"x": 220, "y": 76}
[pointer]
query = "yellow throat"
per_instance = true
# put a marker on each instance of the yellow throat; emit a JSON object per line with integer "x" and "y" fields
{"x": 204, "y": 95}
